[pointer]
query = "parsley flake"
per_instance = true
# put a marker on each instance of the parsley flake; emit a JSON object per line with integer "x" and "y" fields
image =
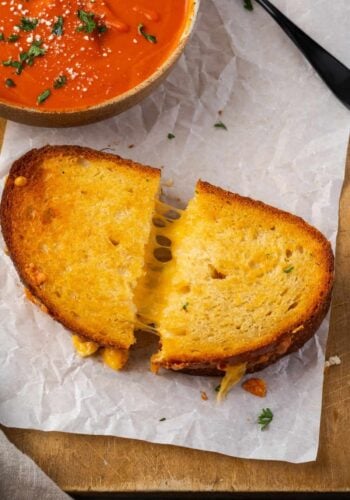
{"x": 89, "y": 24}
{"x": 88, "y": 20}
{"x": 220, "y": 125}
{"x": 57, "y": 28}
{"x": 13, "y": 64}
{"x": 43, "y": 96}
{"x": 288, "y": 269}
{"x": 10, "y": 83}
{"x": 13, "y": 38}
{"x": 217, "y": 388}
{"x": 101, "y": 28}
{"x": 35, "y": 50}
{"x": 60, "y": 82}
{"x": 171, "y": 136}
{"x": 248, "y": 5}
{"x": 27, "y": 24}
{"x": 265, "y": 417}
{"x": 162, "y": 419}
{"x": 2, "y": 37}
{"x": 148, "y": 37}
{"x": 185, "y": 306}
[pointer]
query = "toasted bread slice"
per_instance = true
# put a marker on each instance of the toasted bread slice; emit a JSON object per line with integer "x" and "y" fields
{"x": 76, "y": 222}
{"x": 247, "y": 284}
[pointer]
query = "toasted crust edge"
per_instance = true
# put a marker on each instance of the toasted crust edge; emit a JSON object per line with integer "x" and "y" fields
{"x": 26, "y": 166}
{"x": 285, "y": 341}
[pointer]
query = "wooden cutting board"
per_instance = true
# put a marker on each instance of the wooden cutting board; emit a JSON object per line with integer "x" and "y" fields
{"x": 80, "y": 463}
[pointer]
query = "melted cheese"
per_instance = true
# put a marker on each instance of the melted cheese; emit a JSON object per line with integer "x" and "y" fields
{"x": 112, "y": 357}
{"x": 232, "y": 376}
{"x": 149, "y": 297}
{"x": 84, "y": 347}
{"x": 115, "y": 358}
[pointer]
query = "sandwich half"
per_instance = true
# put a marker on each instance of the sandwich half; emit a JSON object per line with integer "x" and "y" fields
{"x": 76, "y": 223}
{"x": 247, "y": 284}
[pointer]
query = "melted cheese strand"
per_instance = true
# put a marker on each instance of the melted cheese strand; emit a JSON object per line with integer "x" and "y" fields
{"x": 232, "y": 376}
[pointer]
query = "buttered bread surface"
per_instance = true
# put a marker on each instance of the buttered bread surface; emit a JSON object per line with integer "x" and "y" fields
{"x": 76, "y": 223}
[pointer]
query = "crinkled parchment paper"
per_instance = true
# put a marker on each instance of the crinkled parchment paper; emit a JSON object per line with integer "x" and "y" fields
{"x": 285, "y": 145}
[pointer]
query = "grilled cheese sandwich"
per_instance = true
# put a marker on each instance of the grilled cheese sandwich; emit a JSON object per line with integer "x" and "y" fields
{"x": 229, "y": 284}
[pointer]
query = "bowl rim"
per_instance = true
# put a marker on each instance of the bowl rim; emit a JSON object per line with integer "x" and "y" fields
{"x": 166, "y": 65}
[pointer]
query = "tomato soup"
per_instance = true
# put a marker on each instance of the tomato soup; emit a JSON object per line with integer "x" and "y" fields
{"x": 62, "y": 55}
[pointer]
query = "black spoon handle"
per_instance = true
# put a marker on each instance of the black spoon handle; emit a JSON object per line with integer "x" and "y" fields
{"x": 331, "y": 70}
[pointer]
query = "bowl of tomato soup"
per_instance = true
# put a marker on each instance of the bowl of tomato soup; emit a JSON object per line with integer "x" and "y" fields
{"x": 72, "y": 62}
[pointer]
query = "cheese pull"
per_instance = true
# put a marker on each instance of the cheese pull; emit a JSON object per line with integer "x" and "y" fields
{"x": 233, "y": 374}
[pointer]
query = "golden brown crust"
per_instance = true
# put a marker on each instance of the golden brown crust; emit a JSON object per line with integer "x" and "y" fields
{"x": 28, "y": 167}
{"x": 229, "y": 197}
{"x": 259, "y": 359}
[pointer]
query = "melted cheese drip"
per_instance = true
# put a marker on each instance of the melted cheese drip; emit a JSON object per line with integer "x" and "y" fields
{"x": 115, "y": 358}
{"x": 232, "y": 376}
{"x": 84, "y": 347}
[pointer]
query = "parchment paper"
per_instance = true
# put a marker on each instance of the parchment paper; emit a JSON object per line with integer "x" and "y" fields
{"x": 285, "y": 145}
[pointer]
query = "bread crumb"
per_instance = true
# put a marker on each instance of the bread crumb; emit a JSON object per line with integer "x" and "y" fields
{"x": 332, "y": 361}
{"x": 204, "y": 396}
{"x": 256, "y": 386}
{"x": 168, "y": 183}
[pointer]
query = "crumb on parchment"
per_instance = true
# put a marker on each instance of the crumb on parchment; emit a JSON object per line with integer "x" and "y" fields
{"x": 204, "y": 396}
{"x": 256, "y": 386}
{"x": 332, "y": 361}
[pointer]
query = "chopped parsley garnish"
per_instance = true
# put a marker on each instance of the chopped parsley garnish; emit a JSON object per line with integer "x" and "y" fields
{"x": 10, "y": 83}
{"x": 220, "y": 125}
{"x": 43, "y": 96}
{"x": 162, "y": 419}
{"x": 57, "y": 28}
{"x": 265, "y": 418}
{"x": 13, "y": 64}
{"x": 171, "y": 136}
{"x": 35, "y": 50}
{"x": 89, "y": 24}
{"x": 13, "y": 38}
{"x": 149, "y": 38}
{"x": 27, "y": 24}
{"x": 185, "y": 306}
{"x": 288, "y": 269}
{"x": 101, "y": 28}
{"x": 2, "y": 37}
{"x": 60, "y": 81}
{"x": 217, "y": 388}
{"x": 248, "y": 4}
{"x": 88, "y": 20}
